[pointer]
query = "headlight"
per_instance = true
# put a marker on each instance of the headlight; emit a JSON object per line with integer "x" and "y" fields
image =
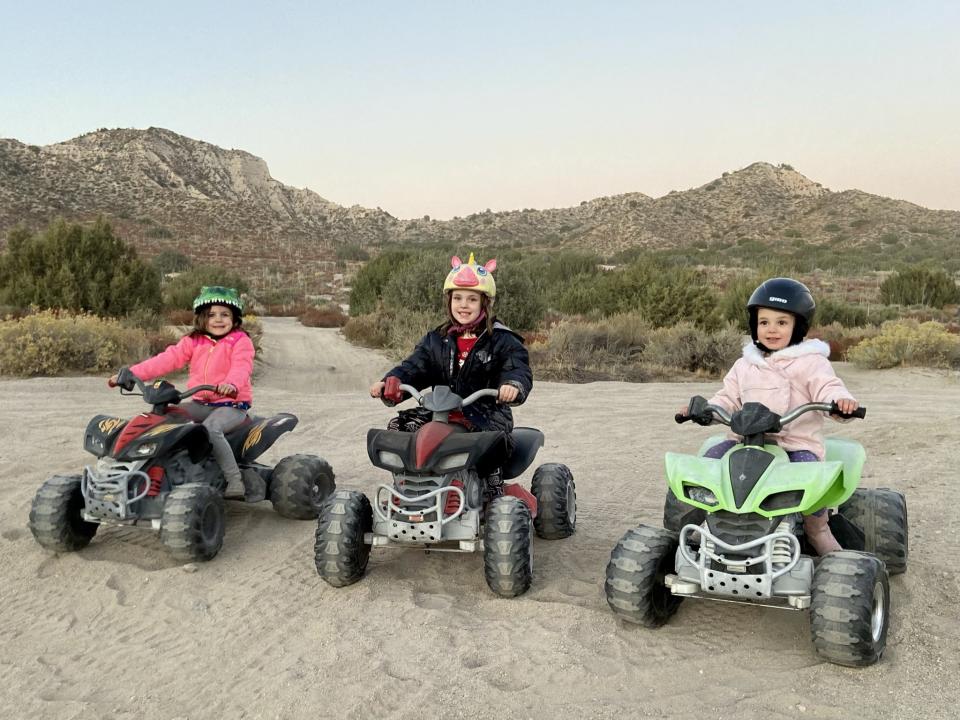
{"x": 453, "y": 461}
{"x": 391, "y": 459}
{"x": 147, "y": 449}
{"x": 701, "y": 495}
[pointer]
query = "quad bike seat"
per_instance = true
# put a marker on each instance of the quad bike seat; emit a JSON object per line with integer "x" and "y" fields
{"x": 255, "y": 434}
{"x": 527, "y": 442}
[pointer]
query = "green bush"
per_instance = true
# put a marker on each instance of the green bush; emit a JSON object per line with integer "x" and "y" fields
{"x": 849, "y": 315}
{"x": 664, "y": 294}
{"x": 171, "y": 261}
{"x": 76, "y": 267}
{"x": 52, "y": 343}
{"x": 919, "y": 286}
{"x": 908, "y": 343}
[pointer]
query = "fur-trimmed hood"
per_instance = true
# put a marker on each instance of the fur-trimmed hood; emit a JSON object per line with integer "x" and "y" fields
{"x": 753, "y": 354}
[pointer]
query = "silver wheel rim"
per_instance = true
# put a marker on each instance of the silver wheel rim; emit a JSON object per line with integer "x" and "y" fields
{"x": 571, "y": 504}
{"x": 878, "y": 615}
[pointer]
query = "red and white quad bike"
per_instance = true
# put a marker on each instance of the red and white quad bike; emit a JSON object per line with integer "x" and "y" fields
{"x": 448, "y": 494}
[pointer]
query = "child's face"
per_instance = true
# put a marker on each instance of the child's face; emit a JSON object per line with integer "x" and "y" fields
{"x": 774, "y": 328}
{"x": 219, "y": 320}
{"x": 465, "y": 306}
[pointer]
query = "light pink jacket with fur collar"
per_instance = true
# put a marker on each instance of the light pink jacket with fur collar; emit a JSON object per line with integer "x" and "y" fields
{"x": 783, "y": 380}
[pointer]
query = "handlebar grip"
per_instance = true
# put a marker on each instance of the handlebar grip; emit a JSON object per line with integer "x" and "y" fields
{"x": 860, "y": 412}
{"x": 679, "y": 419}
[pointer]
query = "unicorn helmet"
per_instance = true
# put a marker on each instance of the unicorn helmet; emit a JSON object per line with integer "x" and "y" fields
{"x": 471, "y": 275}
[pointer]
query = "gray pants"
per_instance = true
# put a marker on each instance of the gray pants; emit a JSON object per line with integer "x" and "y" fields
{"x": 217, "y": 421}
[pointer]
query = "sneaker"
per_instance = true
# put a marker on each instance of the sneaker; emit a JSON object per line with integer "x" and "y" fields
{"x": 235, "y": 489}
{"x": 255, "y": 489}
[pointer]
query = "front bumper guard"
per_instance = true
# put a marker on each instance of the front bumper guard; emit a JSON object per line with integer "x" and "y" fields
{"x": 112, "y": 488}
{"x": 409, "y": 526}
{"x": 780, "y": 555}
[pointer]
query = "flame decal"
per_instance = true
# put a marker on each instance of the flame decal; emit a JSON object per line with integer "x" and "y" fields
{"x": 108, "y": 425}
{"x": 160, "y": 430}
{"x": 253, "y": 437}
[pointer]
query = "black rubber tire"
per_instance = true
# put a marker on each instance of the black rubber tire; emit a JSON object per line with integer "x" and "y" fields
{"x": 635, "y": 576}
{"x": 55, "y": 519}
{"x": 881, "y": 515}
{"x": 194, "y": 522}
{"x": 850, "y": 608}
{"x": 299, "y": 486}
{"x": 676, "y": 514}
{"x": 508, "y": 546}
{"x": 340, "y": 553}
{"x": 556, "y": 495}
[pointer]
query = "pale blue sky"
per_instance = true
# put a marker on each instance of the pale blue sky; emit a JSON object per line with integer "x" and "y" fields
{"x": 447, "y": 108}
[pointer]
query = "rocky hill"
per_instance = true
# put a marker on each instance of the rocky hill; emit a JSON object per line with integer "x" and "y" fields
{"x": 162, "y": 191}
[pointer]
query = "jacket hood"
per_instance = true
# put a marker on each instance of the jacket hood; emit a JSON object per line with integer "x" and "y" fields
{"x": 753, "y": 355}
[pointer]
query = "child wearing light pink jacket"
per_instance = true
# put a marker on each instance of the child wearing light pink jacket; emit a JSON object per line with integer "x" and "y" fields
{"x": 782, "y": 370}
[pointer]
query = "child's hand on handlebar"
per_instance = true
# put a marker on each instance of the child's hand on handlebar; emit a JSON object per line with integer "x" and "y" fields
{"x": 847, "y": 405}
{"x": 227, "y": 389}
{"x": 507, "y": 393}
{"x": 389, "y": 389}
{"x": 112, "y": 381}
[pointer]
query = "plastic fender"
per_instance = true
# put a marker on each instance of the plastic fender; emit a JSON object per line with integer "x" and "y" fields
{"x": 852, "y": 455}
{"x": 695, "y": 470}
{"x": 818, "y": 481}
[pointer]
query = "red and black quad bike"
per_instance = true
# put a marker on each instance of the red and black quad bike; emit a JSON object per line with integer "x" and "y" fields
{"x": 156, "y": 470}
{"x": 448, "y": 494}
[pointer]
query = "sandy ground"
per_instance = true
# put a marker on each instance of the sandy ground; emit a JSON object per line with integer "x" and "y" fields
{"x": 120, "y": 630}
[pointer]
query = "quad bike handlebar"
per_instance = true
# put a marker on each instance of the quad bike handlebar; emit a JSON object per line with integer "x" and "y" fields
{"x": 702, "y": 413}
{"x": 449, "y": 399}
{"x": 163, "y": 392}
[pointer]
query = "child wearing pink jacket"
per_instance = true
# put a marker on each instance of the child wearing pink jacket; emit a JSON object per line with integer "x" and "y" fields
{"x": 782, "y": 370}
{"x": 219, "y": 353}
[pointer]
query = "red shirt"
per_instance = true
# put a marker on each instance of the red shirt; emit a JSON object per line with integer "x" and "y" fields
{"x": 464, "y": 346}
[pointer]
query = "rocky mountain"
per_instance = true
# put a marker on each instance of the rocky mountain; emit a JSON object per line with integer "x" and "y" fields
{"x": 162, "y": 191}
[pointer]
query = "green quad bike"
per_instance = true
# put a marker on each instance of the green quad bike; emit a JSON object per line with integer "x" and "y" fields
{"x": 733, "y": 531}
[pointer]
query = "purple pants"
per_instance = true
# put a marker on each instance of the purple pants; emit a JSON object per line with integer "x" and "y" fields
{"x": 720, "y": 449}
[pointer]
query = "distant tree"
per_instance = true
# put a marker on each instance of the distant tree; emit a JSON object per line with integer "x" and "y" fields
{"x": 77, "y": 267}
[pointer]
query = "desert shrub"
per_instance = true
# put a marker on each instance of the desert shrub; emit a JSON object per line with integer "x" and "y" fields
{"x": 584, "y": 351}
{"x": 919, "y": 286}
{"x": 903, "y": 343}
{"x": 395, "y": 332}
{"x": 326, "y": 316}
{"x": 627, "y": 347}
{"x": 841, "y": 338}
{"x": 366, "y": 330}
{"x": 687, "y": 347}
{"x": 52, "y": 342}
{"x": 180, "y": 291}
{"x": 83, "y": 268}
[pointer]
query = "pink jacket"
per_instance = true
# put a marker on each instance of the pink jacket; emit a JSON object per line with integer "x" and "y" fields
{"x": 212, "y": 362}
{"x": 783, "y": 380}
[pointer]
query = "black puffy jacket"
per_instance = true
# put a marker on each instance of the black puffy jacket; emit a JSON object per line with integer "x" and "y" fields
{"x": 495, "y": 360}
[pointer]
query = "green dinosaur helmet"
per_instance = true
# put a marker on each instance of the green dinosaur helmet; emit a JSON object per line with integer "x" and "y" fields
{"x": 218, "y": 295}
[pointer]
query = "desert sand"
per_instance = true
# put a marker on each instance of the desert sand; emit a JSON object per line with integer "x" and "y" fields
{"x": 120, "y": 630}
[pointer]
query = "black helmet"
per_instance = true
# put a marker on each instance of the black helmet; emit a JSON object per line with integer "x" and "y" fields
{"x": 786, "y": 295}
